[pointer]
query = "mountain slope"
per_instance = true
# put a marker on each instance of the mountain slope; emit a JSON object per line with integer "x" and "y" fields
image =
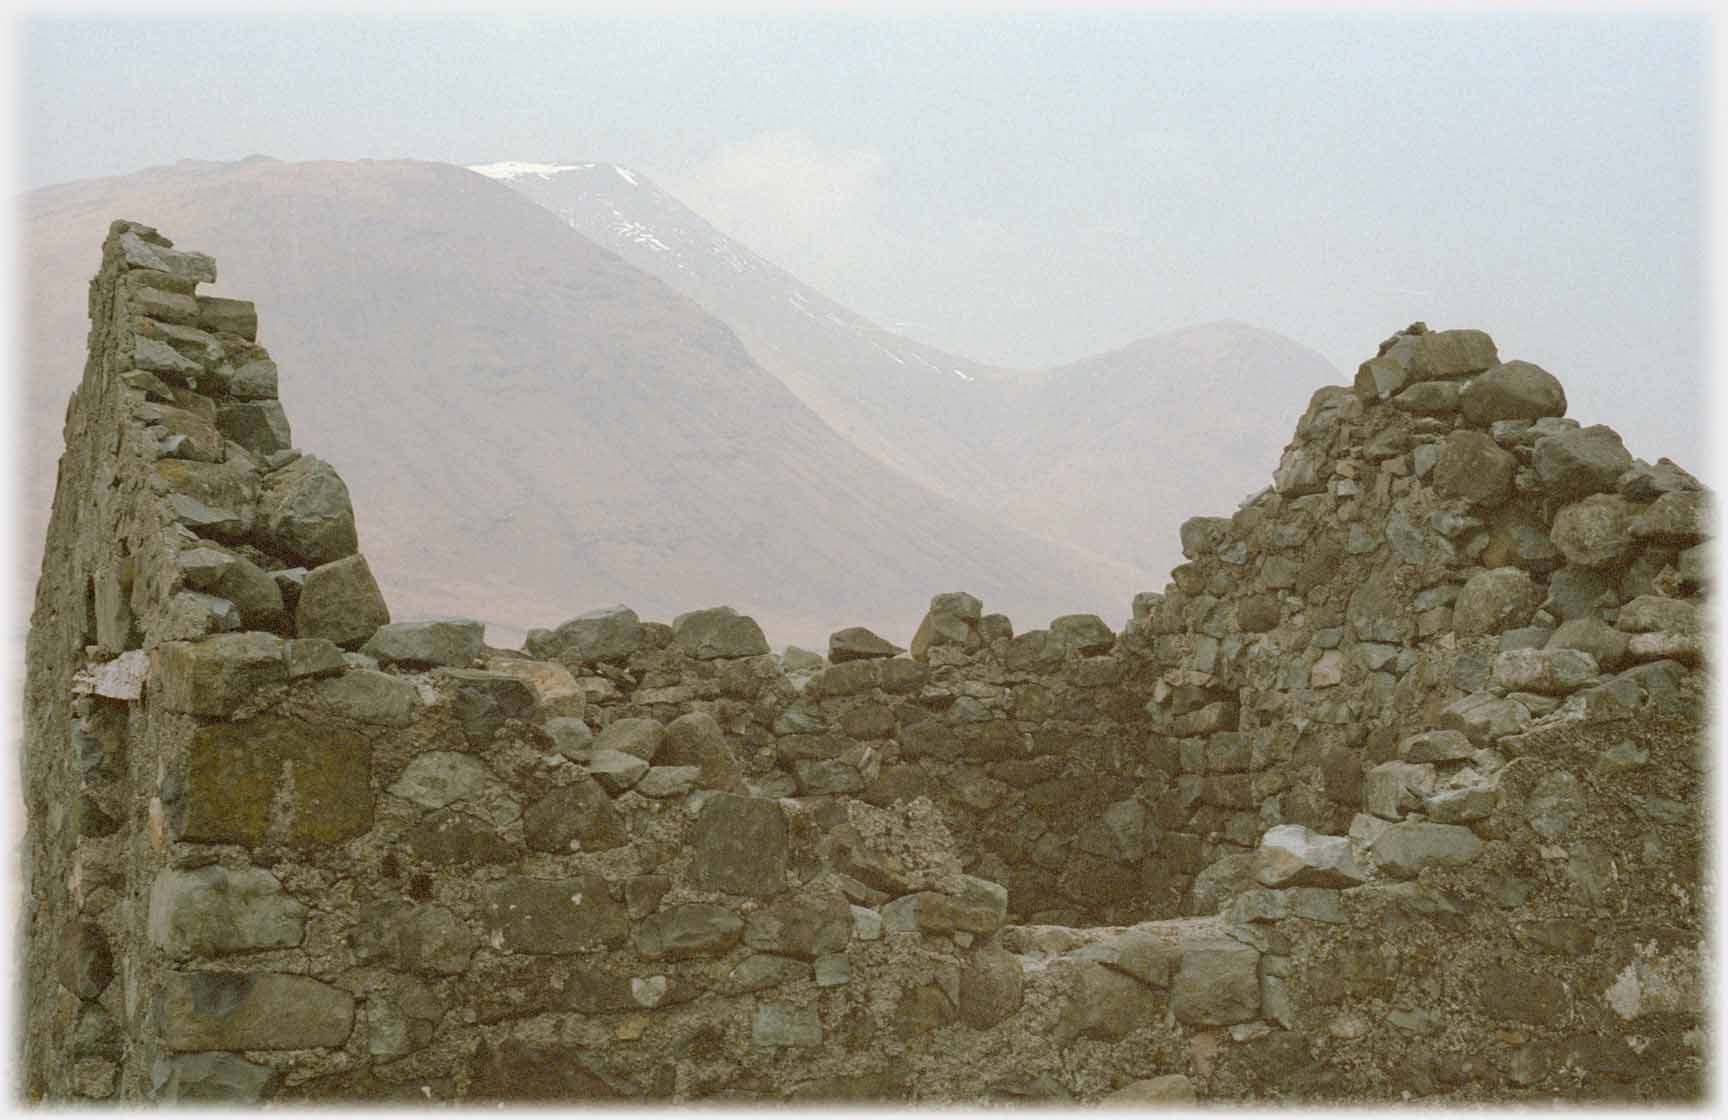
{"x": 531, "y": 427}
{"x": 1109, "y": 453}
{"x": 927, "y": 413}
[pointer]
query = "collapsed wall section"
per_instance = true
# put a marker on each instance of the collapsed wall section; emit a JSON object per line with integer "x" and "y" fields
{"x": 1394, "y": 791}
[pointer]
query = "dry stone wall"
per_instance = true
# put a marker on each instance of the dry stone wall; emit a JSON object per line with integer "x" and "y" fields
{"x": 1393, "y": 793}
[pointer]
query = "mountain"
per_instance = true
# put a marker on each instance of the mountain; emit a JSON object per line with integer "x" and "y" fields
{"x": 530, "y": 426}
{"x": 1109, "y": 453}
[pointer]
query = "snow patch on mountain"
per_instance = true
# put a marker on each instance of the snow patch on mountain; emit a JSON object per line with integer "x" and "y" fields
{"x": 514, "y": 169}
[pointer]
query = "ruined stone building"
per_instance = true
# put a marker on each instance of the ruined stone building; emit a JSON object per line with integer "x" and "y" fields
{"x": 1395, "y": 793}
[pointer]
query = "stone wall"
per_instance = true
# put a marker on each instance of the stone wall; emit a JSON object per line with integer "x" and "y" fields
{"x": 1395, "y": 792}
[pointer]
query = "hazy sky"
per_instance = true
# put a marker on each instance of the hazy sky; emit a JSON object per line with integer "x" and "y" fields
{"x": 1031, "y": 189}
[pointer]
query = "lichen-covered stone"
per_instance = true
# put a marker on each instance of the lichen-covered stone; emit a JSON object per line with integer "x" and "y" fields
{"x": 952, "y": 620}
{"x": 1217, "y": 983}
{"x": 274, "y": 777}
{"x": 1592, "y": 533}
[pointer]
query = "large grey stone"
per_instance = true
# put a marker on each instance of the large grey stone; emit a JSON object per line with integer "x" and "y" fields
{"x": 696, "y": 739}
{"x": 1546, "y": 672}
{"x": 615, "y": 770}
{"x": 1171, "y": 1088}
{"x": 304, "y": 513}
{"x": 806, "y": 925}
{"x": 697, "y": 929}
{"x": 368, "y": 696}
{"x": 992, "y": 987}
{"x": 251, "y": 1011}
{"x": 1291, "y": 855}
{"x": 952, "y": 620}
{"x": 1428, "y": 398}
{"x": 555, "y": 916}
{"x": 438, "y": 778}
{"x": 1512, "y": 391}
{"x": 439, "y": 641}
{"x": 1217, "y": 983}
{"x": 228, "y": 316}
{"x": 605, "y": 634}
{"x": 213, "y": 676}
{"x": 1495, "y": 600}
{"x": 215, "y": 910}
{"x": 855, "y": 643}
{"x": 1576, "y": 592}
{"x": 1403, "y": 850}
{"x": 1085, "y": 634}
{"x": 426, "y": 939}
{"x": 784, "y": 1025}
{"x": 1652, "y": 613}
{"x": 1103, "y": 1005}
{"x": 1605, "y": 644}
{"x": 261, "y": 427}
{"x": 718, "y": 632}
{"x": 1573, "y": 464}
{"x": 1484, "y": 717}
{"x": 1593, "y": 533}
{"x": 640, "y": 737}
{"x": 217, "y": 571}
{"x": 740, "y": 846}
{"x": 1392, "y": 788}
{"x": 1676, "y": 518}
{"x": 341, "y": 602}
{"x": 484, "y": 701}
{"x": 1453, "y": 353}
{"x": 212, "y": 1078}
{"x": 574, "y": 817}
{"x": 1475, "y": 468}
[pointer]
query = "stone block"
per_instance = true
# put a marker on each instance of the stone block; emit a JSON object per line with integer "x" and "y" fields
{"x": 212, "y": 1078}
{"x": 693, "y": 930}
{"x": 251, "y": 1011}
{"x": 454, "y": 642}
{"x": 305, "y": 514}
{"x": 1217, "y": 982}
{"x": 806, "y": 925}
{"x": 1290, "y": 855}
{"x": 484, "y": 701}
{"x": 574, "y": 817}
{"x": 274, "y": 777}
{"x": 368, "y": 696}
{"x": 215, "y": 675}
{"x": 341, "y": 603}
{"x": 740, "y": 846}
{"x": 1403, "y": 850}
{"x": 778, "y": 1025}
{"x": 855, "y": 643}
{"x": 718, "y": 632}
{"x": 555, "y": 916}
{"x": 216, "y": 910}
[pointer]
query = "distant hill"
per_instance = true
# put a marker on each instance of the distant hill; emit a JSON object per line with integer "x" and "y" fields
{"x": 530, "y": 425}
{"x": 1109, "y": 453}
